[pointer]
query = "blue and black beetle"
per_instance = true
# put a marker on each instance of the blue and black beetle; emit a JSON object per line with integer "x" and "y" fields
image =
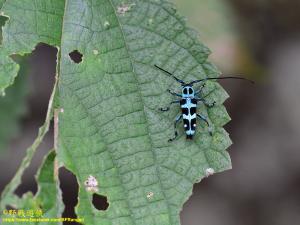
{"x": 189, "y": 98}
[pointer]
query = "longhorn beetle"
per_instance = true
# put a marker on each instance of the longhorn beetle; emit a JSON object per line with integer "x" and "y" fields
{"x": 189, "y": 99}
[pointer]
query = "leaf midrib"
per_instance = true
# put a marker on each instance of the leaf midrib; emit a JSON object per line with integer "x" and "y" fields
{"x": 144, "y": 113}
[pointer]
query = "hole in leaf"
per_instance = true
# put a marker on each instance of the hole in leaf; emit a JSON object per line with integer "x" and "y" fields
{"x": 69, "y": 188}
{"x": 76, "y": 56}
{"x": 100, "y": 202}
{"x": 42, "y": 63}
{"x": 30, "y": 113}
{"x": 28, "y": 185}
{"x": 9, "y": 207}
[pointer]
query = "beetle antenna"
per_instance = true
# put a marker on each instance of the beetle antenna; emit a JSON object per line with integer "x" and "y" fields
{"x": 171, "y": 75}
{"x": 220, "y": 78}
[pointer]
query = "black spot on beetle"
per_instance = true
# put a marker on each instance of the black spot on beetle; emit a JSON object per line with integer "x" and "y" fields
{"x": 193, "y": 110}
{"x": 186, "y": 122}
{"x": 185, "y": 111}
{"x": 194, "y": 101}
{"x": 189, "y": 137}
{"x": 193, "y": 122}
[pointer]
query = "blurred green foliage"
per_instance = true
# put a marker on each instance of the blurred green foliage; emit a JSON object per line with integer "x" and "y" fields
{"x": 213, "y": 18}
{"x": 13, "y": 106}
{"x": 217, "y": 22}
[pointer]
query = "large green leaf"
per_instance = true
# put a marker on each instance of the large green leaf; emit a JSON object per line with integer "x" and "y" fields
{"x": 110, "y": 127}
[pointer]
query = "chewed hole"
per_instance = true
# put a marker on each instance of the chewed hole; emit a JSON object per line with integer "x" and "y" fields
{"x": 76, "y": 56}
{"x": 9, "y": 207}
{"x": 69, "y": 187}
{"x": 100, "y": 202}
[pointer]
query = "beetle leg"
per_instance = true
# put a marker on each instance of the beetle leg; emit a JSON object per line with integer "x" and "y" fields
{"x": 178, "y": 118}
{"x": 207, "y": 104}
{"x": 173, "y": 93}
{"x": 168, "y": 107}
{"x": 203, "y": 118}
{"x": 200, "y": 90}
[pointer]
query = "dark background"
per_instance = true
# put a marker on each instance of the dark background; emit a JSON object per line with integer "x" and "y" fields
{"x": 259, "y": 39}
